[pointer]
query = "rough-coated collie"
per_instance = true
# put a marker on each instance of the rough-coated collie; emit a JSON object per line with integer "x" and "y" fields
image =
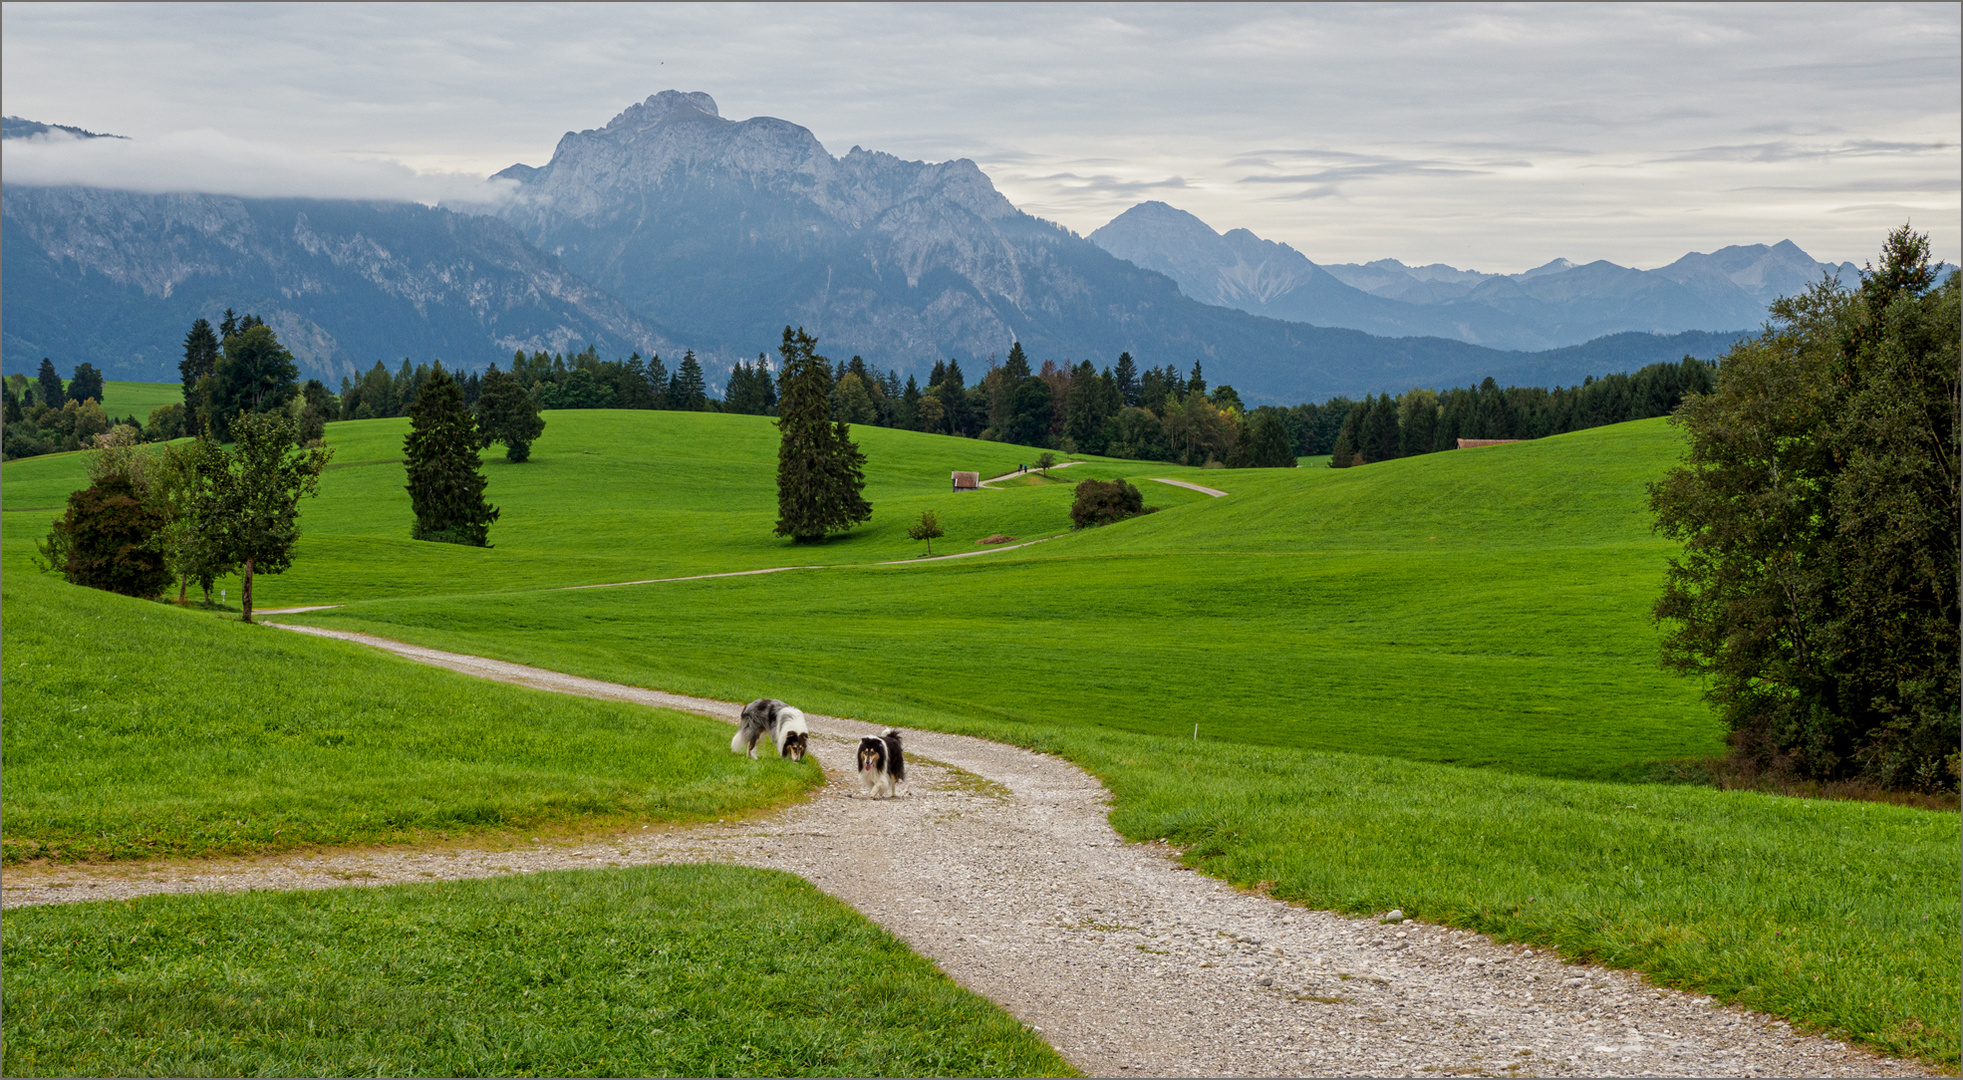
{"x": 882, "y": 768}
{"x": 783, "y": 723}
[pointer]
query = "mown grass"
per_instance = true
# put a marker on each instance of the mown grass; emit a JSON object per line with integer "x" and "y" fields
{"x": 661, "y": 971}
{"x": 121, "y": 399}
{"x": 1485, "y": 608}
{"x": 608, "y": 496}
{"x": 136, "y": 729}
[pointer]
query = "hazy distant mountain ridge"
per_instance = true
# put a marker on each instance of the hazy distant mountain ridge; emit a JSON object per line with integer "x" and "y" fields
{"x": 115, "y": 278}
{"x": 1550, "y": 306}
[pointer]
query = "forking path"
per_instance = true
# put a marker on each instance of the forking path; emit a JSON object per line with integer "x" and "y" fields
{"x": 1003, "y": 868}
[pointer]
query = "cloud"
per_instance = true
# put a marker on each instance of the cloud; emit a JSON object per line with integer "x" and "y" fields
{"x": 1785, "y": 150}
{"x": 215, "y": 163}
{"x": 1106, "y": 184}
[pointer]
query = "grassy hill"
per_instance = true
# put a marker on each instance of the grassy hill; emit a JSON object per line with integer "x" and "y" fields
{"x": 1346, "y": 641}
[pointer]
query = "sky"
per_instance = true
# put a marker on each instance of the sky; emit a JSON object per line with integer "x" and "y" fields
{"x": 1490, "y": 137}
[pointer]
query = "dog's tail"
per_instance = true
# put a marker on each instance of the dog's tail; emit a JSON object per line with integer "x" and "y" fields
{"x": 896, "y": 767}
{"x": 736, "y": 740}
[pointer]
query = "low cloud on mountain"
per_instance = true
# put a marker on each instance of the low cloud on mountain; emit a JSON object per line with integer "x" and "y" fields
{"x": 214, "y": 163}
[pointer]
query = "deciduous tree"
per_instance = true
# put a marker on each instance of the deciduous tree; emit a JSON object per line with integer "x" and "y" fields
{"x": 1818, "y": 506}
{"x": 507, "y": 414}
{"x": 248, "y": 505}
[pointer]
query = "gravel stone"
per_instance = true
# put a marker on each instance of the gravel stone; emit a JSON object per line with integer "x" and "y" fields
{"x": 1003, "y": 868}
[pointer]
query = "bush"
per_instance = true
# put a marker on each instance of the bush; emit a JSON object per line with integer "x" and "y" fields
{"x": 107, "y": 540}
{"x": 1101, "y": 502}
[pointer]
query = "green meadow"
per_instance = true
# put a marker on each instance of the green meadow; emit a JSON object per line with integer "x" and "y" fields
{"x": 1430, "y": 683}
{"x": 654, "y": 971}
{"x": 135, "y": 729}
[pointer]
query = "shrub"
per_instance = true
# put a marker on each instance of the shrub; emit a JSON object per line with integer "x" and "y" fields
{"x": 1101, "y": 502}
{"x": 107, "y": 540}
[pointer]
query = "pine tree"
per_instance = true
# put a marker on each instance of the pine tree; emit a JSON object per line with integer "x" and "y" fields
{"x": 200, "y": 358}
{"x": 689, "y": 393}
{"x": 255, "y": 374}
{"x": 1268, "y": 444}
{"x": 507, "y": 414}
{"x": 48, "y": 385}
{"x": 228, "y": 326}
{"x": 1344, "y": 453}
{"x": 1126, "y": 376}
{"x": 820, "y": 471}
{"x": 446, "y": 479}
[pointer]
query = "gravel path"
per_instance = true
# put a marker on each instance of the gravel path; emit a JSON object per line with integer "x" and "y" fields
{"x": 1003, "y": 868}
{"x": 1215, "y": 492}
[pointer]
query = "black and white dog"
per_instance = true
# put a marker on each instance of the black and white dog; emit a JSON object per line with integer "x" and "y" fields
{"x": 882, "y": 768}
{"x": 783, "y": 723}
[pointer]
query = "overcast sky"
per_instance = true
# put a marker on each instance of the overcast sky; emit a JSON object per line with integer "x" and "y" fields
{"x": 1490, "y": 137}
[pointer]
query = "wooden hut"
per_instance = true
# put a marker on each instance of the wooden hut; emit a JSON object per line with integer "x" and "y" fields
{"x": 967, "y": 481}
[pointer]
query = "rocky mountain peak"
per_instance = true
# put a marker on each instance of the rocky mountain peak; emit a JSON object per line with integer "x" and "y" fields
{"x": 664, "y": 105}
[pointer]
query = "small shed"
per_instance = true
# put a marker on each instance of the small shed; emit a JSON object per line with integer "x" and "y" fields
{"x": 967, "y": 481}
{"x": 1467, "y": 444}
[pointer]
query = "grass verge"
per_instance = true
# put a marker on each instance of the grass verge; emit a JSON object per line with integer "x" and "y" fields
{"x": 135, "y": 729}
{"x": 657, "y": 971}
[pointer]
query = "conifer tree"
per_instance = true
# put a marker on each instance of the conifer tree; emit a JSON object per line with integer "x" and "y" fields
{"x": 689, "y": 392}
{"x": 1126, "y": 376}
{"x": 48, "y": 385}
{"x": 820, "y": 471}
{"x": 200, "y": 357}
{"x": 446, "y": 479}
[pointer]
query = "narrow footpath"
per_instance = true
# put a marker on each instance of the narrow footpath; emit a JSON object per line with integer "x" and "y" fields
{"x": 1003, "y": 869}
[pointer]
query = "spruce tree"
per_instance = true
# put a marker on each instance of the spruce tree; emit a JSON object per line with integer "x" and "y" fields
{"x": 86, "y": 385}
{"x": 690, "y": 391}
{"x": 255, "y": 374}
{"x": 446, "y": 481}
{"x": 820, "y": 471}
{"x": 1126, "y": 375}
{"x": 48, "y": 385}
{"x": 200, "y": 358}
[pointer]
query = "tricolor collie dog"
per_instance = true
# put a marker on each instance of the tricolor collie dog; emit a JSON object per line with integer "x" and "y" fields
{"x": 783, "y": 723}
{"x": 882, "y": 768}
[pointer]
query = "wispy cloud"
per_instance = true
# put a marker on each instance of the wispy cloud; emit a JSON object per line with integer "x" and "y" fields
{"x": 1782, "y": 150}
{"x": 219, "y": 164}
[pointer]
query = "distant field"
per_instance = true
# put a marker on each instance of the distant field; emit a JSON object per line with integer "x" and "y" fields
{"x": 135, "y": 729}
{"x": 609, "y": 495}
{"x": 136, "y": 399}
{"x": 657, "y": 971}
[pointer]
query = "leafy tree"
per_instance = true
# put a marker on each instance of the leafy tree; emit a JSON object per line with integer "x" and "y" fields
{"x": 200, "y": 360}
{"x": 852, "y": 401}
{"x": 48, "y": 385}
{"x": 1101, "y": 502}
{"x": 1197, "y": 431}
{"x": 1135, "y": 433}
{"x": 446, "y": 479}
{"x": 1816, "y": 594}
{"x": 1045, "y": 461}
{"x": 317, "y": 408}
{"x": 507, "y": 414}
{"x": 820, "y": 471}
{"x": 255, "y": 374}
{"x": 249, "y": 498}
{"x": 1268, "y": 444}
{"x": 929, "y": 414}
{"x": 168, "y": 422}
{"x": 86, "y": 385}
{"x": 927, "y": 528}
{"x": 177, "y": 473}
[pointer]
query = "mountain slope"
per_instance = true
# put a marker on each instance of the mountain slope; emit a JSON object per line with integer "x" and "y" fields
{"x": 116, "y": 278}
{"x": 724, "y": 231}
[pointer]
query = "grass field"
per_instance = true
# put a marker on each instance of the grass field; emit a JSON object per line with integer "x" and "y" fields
{"x": 120, "y": 399}
{"x": 608, "y": 496}
{"x": 663, "y": 971}
{"x": 135, "y": 729}
{"x": 1346, "y": 641}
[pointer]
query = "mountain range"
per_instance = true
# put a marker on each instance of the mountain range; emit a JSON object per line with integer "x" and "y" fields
{"x": 672, "y": 227}
{"x": 1550, "y": 306}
